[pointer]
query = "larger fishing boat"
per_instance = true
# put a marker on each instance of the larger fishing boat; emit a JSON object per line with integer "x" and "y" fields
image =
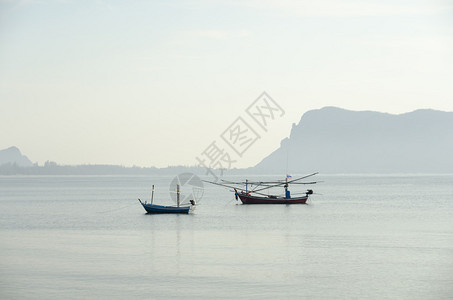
{"x": 252, "y": 192}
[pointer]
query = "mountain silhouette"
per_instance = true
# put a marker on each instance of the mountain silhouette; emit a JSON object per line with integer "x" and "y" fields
{"x": 335, "y": 140}
{"x": 12, "y": 155}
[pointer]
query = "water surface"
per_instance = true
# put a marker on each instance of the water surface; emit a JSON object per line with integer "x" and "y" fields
{"x": 362, "y": 236}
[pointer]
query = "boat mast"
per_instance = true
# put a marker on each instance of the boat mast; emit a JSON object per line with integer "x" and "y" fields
{"x": 177, "y": 194}
{"x": 152, "y": 195}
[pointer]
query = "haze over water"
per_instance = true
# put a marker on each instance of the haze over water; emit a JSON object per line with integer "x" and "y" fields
{"x": 165, "y": 83}
{"x": 365, "y": 236}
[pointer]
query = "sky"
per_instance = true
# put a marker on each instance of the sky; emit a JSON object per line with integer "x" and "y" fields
{"x": 158, "y": 83}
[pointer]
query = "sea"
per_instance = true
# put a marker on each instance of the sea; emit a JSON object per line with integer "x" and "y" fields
{"x": 361, "y": 236}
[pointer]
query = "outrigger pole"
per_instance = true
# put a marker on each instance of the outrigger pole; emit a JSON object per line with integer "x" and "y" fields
{"x": 230, "y": 186}
{"x": 286, "y": 182}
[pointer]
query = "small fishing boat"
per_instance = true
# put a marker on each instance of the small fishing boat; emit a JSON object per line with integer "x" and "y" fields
{"x": 152, "y": 208}
{"x": 161, "y": 209}
{"x": 252, "y": 194}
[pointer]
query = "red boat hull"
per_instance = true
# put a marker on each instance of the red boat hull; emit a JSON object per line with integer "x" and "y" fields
{"x": 247, "y": 199}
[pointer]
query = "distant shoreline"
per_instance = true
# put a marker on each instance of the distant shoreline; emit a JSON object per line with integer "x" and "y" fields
{"x": 54, "y": 169}
{"x": 112, "y": 170}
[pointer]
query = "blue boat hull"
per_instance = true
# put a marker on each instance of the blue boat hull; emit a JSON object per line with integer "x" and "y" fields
{"x": 160, "y": 209}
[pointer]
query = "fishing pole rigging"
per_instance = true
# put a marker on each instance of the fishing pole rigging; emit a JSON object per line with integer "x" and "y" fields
{"x": 252, "y": 192}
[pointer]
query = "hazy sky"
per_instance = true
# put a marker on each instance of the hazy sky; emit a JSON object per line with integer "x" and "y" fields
{"x": 154, "y": 83}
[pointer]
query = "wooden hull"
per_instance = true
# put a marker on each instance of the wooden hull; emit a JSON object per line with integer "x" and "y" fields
{"x": 247, "y": 199}
{"x": 160, "y": 209}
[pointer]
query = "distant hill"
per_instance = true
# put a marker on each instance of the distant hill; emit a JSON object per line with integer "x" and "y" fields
{"x": 12, "y": 155}
{"x": 334, "y": 140}
{"x": 328, "y": 140}
{"x": 12, "y": 162}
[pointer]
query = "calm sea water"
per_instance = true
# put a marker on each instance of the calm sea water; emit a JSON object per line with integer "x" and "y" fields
{"x": 362, "y": 236}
